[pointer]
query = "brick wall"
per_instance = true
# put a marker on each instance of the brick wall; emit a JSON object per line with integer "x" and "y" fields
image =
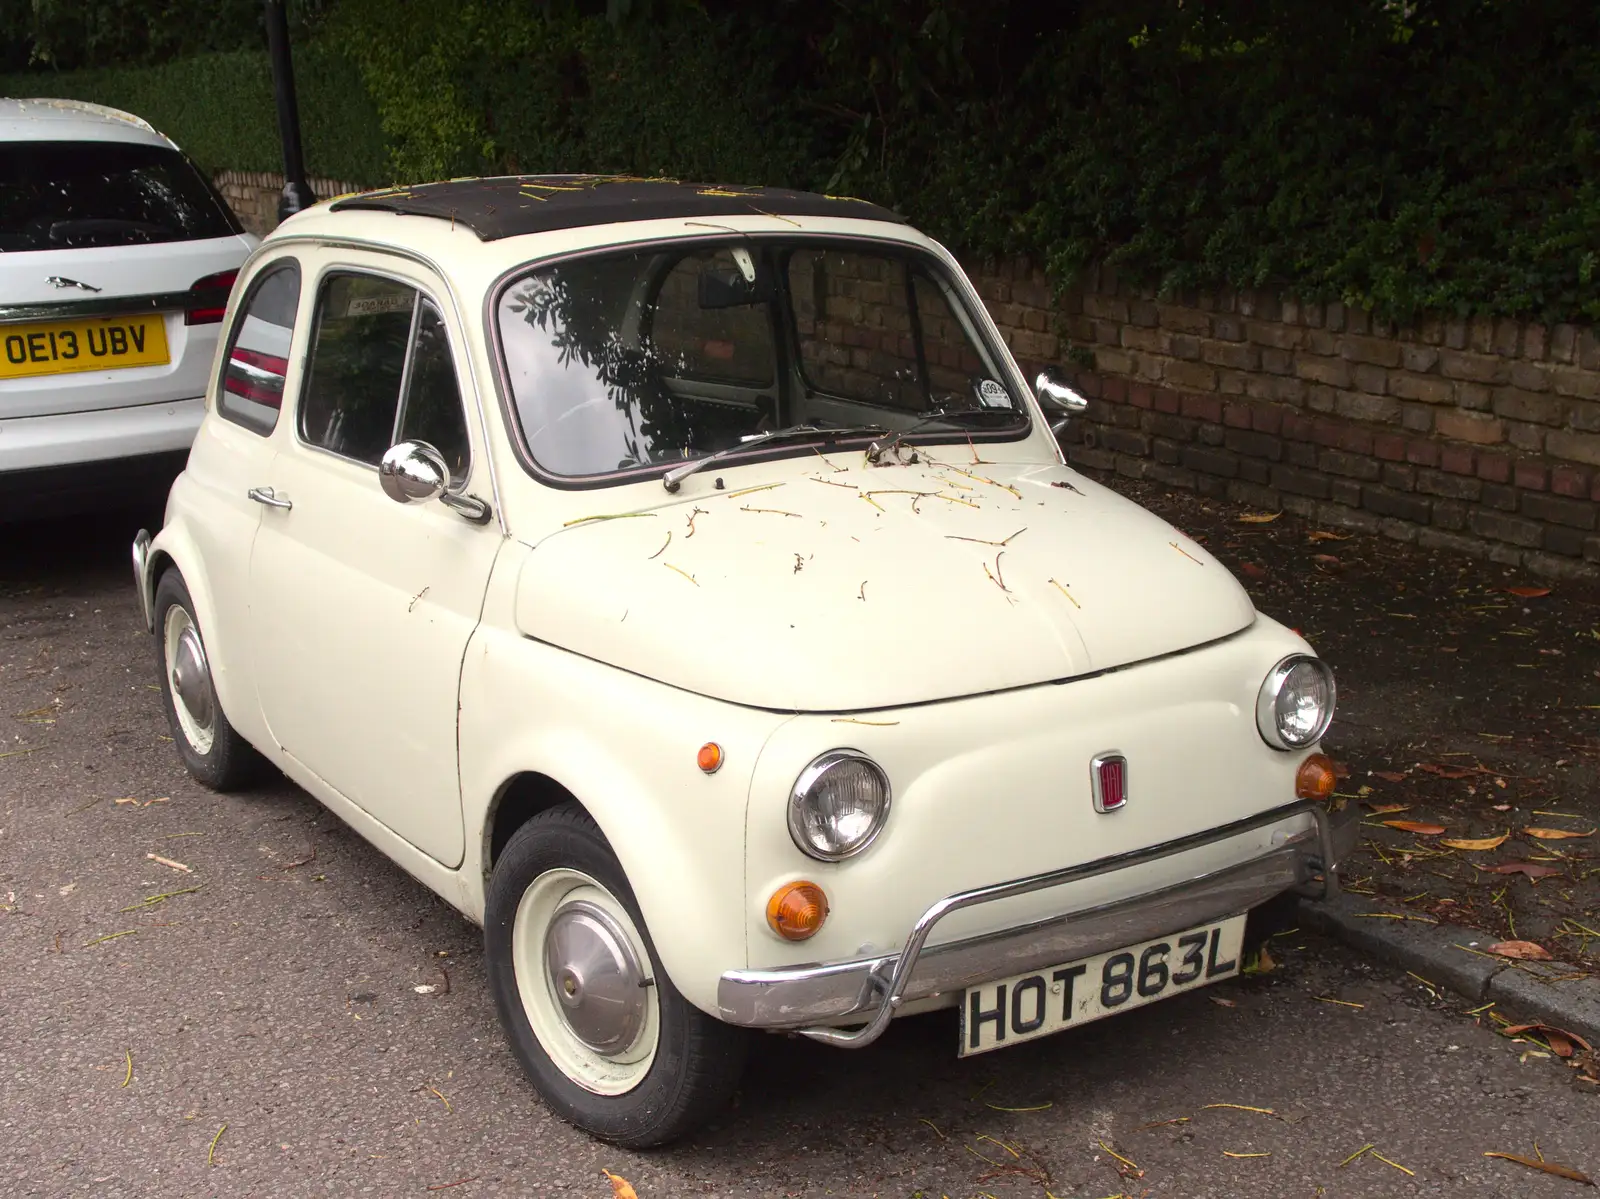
{"x": 254, "y": 195}
{"x": 1480, "y": 436}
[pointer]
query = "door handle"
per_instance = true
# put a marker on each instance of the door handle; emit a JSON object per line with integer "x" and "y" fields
{"x": 265, "y": 495}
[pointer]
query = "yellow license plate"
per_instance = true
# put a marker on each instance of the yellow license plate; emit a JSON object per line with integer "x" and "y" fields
{"x": 98, "y": 344}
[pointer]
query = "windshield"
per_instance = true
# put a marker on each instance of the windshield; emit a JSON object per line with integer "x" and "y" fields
{"x": 68, "y": 195}
{"x": 625, "y": 361}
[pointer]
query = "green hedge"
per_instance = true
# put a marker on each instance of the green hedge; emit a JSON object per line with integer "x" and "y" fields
{"x": 1402, "y": 157}
{"x": 219, "y": 108}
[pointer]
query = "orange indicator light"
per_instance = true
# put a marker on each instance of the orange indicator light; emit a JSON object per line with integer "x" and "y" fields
{"x": 796, "y": 910}
{"x": 1316, "y": 778}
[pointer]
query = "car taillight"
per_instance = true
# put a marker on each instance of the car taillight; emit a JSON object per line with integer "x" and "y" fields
{"x": 210, "y": 298}
{"x": 255, "y": 376}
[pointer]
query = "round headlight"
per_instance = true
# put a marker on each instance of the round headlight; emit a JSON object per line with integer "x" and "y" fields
{"x": 838, "y": 805}
{"x": 1295, "y": 705}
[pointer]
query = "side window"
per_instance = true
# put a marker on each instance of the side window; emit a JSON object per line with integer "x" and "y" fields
{"x": 873, "y": 329}
{"x": 431, "y": 408}
{"x": 358, "y": 357}
{"x": 699, "y": 336}
{"x": 381, "y": 371}
{"x": 258, "y": 352}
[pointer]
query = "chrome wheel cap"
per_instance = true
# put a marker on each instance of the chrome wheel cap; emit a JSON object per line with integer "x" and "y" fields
{"x": 191, "y": 677}
{"x": 595, "y": 977}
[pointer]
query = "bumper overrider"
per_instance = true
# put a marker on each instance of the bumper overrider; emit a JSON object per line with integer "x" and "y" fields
{"x": 814, "y": 1000}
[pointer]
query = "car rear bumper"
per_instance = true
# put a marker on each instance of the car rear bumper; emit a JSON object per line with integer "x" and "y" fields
{"x": 77, "y": 438}
{"x": 813, "y": 999}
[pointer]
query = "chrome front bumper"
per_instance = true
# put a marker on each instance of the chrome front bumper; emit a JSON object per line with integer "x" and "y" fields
{"x": 869, "y": 991}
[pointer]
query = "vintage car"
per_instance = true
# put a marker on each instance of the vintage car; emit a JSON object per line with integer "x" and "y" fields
{"x": 685, "y": 584}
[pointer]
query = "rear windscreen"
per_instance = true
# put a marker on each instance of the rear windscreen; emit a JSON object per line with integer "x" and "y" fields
{"x": 68, "y": 195}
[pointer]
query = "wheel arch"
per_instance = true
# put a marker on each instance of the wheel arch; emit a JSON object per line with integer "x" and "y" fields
{"x": 516, "y": 801}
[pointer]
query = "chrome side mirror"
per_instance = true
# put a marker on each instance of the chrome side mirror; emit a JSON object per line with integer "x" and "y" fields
{"x": 413, "y": 470}
{"x": 1058, "y": 398}
{"x": 1056, "y": 395}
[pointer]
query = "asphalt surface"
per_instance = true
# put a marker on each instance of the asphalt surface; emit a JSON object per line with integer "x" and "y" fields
{"x": 280, "y": 1004}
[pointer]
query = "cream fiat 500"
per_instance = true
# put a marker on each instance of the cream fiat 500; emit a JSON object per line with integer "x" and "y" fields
{"x": 685, "y": 583}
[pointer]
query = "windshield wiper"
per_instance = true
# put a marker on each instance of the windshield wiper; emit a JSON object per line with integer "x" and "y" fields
{"x": 674, "y": 477}
{"x": 959, "y": 416}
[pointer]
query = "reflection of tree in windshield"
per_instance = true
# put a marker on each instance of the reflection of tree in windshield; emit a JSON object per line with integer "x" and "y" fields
{"x": 579, "y": 317}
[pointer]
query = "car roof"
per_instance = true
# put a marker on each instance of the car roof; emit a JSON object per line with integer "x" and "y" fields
{"x": 513, "y": 205}
{"x": 53, "y": 120}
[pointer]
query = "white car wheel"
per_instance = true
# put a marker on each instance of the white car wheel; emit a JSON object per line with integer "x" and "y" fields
{"x": 189, "y": 675}
{"x": 583, "y": 974}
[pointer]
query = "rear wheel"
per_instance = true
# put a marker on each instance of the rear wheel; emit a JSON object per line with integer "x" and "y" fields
{"x": 211, "y": 750}
{"x": 596, "y": 1023}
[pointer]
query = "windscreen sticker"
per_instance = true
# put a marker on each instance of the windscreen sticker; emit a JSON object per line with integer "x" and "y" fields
{"x": 394, "y": 301}
{"x": 992, "y": 395}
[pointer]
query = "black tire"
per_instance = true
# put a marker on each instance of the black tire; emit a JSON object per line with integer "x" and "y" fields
{"x": 230, "y": 762}
{"x": 698, "y": 1060}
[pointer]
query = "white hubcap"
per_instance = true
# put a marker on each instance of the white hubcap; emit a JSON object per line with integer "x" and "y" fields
{"x": 189, "y": 676}
{"x": 586, "y": 982}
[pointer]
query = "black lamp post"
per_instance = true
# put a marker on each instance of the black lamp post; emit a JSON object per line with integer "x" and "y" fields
{"x": 297, "y": 193}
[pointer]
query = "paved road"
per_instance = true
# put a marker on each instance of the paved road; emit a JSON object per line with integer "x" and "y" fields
{"x": 281, "y": 1000}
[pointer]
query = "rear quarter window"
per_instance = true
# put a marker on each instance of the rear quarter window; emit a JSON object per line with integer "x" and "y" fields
{"x": 70, "y": 195}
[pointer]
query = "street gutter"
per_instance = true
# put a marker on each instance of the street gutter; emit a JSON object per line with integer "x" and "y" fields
{"x": 1447, "y": 955}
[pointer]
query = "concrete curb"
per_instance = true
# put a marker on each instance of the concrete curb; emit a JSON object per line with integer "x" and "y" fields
{"x": 1444, "y": 954}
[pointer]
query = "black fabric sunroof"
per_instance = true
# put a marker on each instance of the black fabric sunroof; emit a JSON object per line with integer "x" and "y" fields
{"x": 515, "y": 204}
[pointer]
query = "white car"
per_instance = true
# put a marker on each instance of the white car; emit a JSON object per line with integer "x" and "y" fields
{"x": 684, "y": 583}
{"x": 116, "y": 258}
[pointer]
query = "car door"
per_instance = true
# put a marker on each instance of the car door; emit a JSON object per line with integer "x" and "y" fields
{"x": 361, "y": 607}
{"x": 237, "y": 441}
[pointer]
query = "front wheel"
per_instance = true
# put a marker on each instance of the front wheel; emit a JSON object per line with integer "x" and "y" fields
{"x": 596, "y": 1023}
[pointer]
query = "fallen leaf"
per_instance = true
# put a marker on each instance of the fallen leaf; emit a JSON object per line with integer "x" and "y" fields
{"x": 621, "y": 1188}
{"x": 1326, "y": 560}
{"x": 1253, "y": 571}
{"x": 1523, "y": 951}
{"x": 1531, "y": 869}
{"x": 1448, "y": 772}
{"x": 1388, "y": 776}
{"x": 1221, "y": 1002}
{"x": 1263, "y": 963}
{"x": 1560, "y": 1039}
{"x": 1324, "y": 535}
{"x": 1527, "y": 592}
{"x": 1416, "y": 826}
{"x": 1554, "y": 834}
{"x": 1382, "y": 809}
{"x": 1258, "y": 518}
{"x": 1547, "y": 1167}
{"x": 1483, "y": 843}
